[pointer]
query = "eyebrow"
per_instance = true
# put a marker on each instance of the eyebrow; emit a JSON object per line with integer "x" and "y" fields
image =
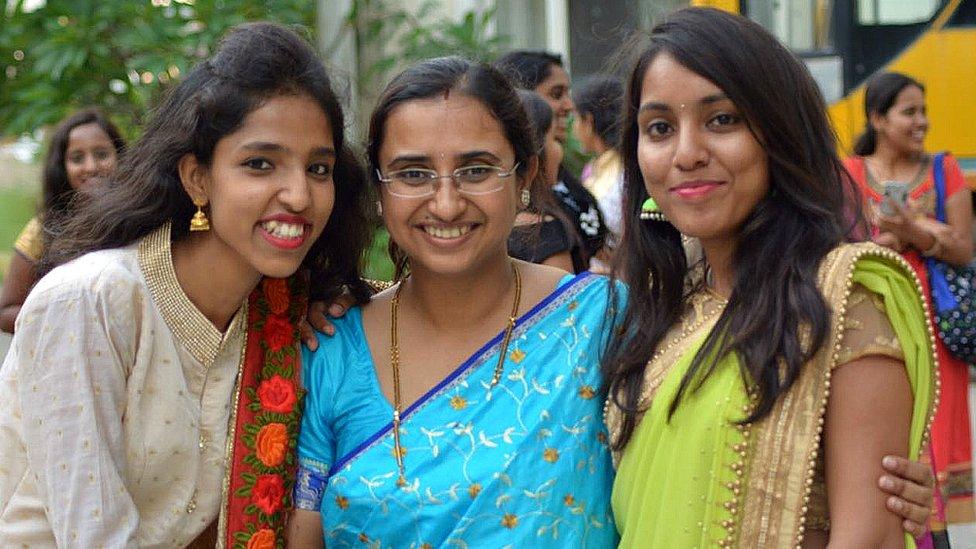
{"x": 266, "y": 146}
{"x": 470, "y": 155}
{"x": 658, "y": 106}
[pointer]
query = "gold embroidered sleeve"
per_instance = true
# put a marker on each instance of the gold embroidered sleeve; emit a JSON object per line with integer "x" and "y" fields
{"x": 867, "y": 330}
{"x": 30, "y": 242}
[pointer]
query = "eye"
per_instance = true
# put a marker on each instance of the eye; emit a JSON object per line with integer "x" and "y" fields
{"x": 475, "y": 174}
{"x": 724, "y": 119}
{"x": 258, "y": 164}
{"x": 414, "y": 176}
{"x": 102, "y": 154}
{"x": 320, "y": 170}
{"x": 658, "y": 129}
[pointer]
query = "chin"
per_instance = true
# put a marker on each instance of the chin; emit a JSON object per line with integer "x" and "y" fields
{"x": 278, "y": 269}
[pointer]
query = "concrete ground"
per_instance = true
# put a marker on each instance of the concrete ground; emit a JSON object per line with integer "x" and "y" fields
{"x": 961, "y": 536}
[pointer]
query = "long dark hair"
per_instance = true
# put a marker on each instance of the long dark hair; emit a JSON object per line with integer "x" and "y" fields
{"x": 601, "y": 96}
{"x": 879, "y": 96}
{"x": 254, "y": 62}
{"x": 439, "y": 76}
{"x": 57, "y": 192}
{"x": 774, "y": 296}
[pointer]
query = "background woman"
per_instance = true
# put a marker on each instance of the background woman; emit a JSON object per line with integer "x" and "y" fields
{"x": 544, "y": 74}
{"x": 119, "y": 386}
{"x": 892, "y": 148}
{"x": 541, "y": 233}
{"x": 720, "y": 357}
{"x": 84, "y": 147}
{"x": 460, "y": 406}
{"x": 599, "y": 103}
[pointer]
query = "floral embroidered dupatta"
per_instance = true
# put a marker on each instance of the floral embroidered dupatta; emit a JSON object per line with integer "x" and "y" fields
{"x": 524, "y": 463}
{"x": 265, "y": 419}
{"x": 701, "y": 480}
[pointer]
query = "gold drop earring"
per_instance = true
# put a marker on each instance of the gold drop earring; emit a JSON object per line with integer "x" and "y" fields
{"x": 199, "y": 221}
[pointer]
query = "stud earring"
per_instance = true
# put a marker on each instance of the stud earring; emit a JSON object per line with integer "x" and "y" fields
{"x": 199, "y": 221}
{"x": 379, "y": 208}
{"x": 526, "y": 198}
{"x": 651, "y": 212}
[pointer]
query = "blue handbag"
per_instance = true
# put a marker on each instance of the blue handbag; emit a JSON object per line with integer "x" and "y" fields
{"x": 953, "y": 288}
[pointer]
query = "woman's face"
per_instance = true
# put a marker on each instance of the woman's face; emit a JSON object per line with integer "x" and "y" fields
{"x": 905, "y": 124}
{"x": 585, "y": 133}
{"x": 270, "y": 187}
{"x": 449, "y": 232}
{"x": 700, "y": 162}
{"x": 89, "y": 156}
{"x": 554, "y": 155}
{"x": 555, "y": 90}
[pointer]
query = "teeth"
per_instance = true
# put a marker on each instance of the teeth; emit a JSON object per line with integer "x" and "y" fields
{"x": 283, "y": 230}
{"x": 447, "y": 232}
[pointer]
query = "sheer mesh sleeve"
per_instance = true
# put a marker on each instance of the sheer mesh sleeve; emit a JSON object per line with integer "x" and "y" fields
{"x": 867, "y": 330}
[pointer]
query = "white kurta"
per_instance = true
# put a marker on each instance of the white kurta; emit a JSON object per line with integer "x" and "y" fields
{"x": 114, "y": 405}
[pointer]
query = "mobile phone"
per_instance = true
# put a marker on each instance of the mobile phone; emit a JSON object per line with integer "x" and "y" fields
{"x": 894, "y": 191}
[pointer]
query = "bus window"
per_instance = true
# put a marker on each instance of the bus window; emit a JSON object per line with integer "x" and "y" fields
{"x": 802, "y": 25}
{"x": 895, "y": 12}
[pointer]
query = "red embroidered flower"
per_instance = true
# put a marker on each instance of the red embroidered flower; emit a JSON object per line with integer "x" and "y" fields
{"x": 276, "y": 292}
{"x": 267, "y": 493}
{"x": 271, "y": 444}
{"x": 262, "y": 539}
{"x": 277, "y": 332}
{"x": 277, "y": 395}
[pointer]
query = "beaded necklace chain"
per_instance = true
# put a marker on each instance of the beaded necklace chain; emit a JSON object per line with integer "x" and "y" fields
{"x": 395, "y": 364}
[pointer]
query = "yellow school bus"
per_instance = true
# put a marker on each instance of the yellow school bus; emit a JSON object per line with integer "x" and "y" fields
{"x": 844, "y": 42}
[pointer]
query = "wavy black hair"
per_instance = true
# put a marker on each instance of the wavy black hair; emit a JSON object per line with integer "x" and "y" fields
{"x": 879, "y": 96}
{"x": 437, "y": 77}
{"x": 602, "y": 97}
{"x": 803, "y": 216}
{"x": 528, "y": 68}
{"x": 255, "y": 62}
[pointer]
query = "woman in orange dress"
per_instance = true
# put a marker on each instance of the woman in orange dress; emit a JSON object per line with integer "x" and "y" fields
{"x": 892, "y": 149}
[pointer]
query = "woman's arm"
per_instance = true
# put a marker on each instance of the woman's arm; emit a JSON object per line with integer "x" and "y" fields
{"x": 16, "y": 285}
{"x": 869, "y": 415}
{"x": 304, "y": 530}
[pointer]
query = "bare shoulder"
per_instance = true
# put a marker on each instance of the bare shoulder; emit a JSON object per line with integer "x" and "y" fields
{"x": 538, "y": 281}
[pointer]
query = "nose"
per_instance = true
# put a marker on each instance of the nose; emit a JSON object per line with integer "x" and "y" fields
{"x": 568, "y": 104}
{"x": 690, "y": 150}
{"x": 89, "y": 164}
{"x": 295, "y": 192}
{"x": 448, "y": 203}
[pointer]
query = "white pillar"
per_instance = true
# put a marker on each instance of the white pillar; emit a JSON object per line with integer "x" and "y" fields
{"x": 337, "y": 44}
{"x": 557, "y": 29}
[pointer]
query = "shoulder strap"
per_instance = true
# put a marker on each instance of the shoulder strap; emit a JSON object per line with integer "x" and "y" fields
{"x": 938, "y": 176}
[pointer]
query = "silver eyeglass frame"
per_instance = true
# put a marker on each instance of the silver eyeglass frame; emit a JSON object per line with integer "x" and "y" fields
{"x": 433, "y": 177}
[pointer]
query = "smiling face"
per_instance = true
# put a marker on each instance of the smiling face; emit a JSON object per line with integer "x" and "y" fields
{"x": 700, "y": 162}
{"x": 555, "y": 90}
{"x": 905, "y": 124}
{"x": 90, "y": 155}
{"x": 269, "y": 186}
{"x": 449, "y": 232}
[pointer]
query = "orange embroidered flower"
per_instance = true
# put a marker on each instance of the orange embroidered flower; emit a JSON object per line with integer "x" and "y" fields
{"x": 458, "y": 402}
{"x": 277, "y": 395}
{"x": 509, "y": 520}
{"x": 262, "y": 539}
{"x": 518, "y": 355}
{"x": 601, "y": 437}
{"x": 551, "y": 455}
{"x": 586, "y": 392}
{"x": 278, "y": 332}
{"x": 277, "y": 294}
{"x": 573, "y": 305}
{"x": 271, "y": 444}
{"x": 363, "y": 537}
{"x": 267, "y": 493}
{"x": 474, "y": 490}
{"x": 569, "y": 500}
{"x": 426, "y": 546}
{"x": 342, "y": 502}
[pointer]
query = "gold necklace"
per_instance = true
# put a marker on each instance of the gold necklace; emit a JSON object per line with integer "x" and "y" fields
{"x": 395, "y": 364}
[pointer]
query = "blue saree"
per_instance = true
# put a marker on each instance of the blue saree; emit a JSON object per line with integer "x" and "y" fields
{"x": 524, "y": 464}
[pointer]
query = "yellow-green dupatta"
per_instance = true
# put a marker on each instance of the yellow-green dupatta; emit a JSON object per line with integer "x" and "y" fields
{"x": 702, "y": 480}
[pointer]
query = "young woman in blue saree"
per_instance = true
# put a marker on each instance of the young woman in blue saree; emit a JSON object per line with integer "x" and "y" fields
{"x": 462, "y": 407}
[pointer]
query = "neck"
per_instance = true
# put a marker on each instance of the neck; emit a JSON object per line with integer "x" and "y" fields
{"x": 718, "y": 256}
{"x": 455, "y": 302}
{"x": 889, "y": 158}
{"x": 215, "y": 279}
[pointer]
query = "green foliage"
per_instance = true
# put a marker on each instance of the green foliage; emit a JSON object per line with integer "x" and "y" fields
{"x": 120, "y": 56}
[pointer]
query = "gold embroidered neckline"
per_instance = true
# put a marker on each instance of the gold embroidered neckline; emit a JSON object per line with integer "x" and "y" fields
{"x": 189, "y": 325}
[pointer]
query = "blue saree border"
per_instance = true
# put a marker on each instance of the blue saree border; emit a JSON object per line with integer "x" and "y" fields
{"x": 576, "y": 282}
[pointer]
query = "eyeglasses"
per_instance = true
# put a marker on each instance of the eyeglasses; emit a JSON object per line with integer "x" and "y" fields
{"x": 470, "y": 180}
